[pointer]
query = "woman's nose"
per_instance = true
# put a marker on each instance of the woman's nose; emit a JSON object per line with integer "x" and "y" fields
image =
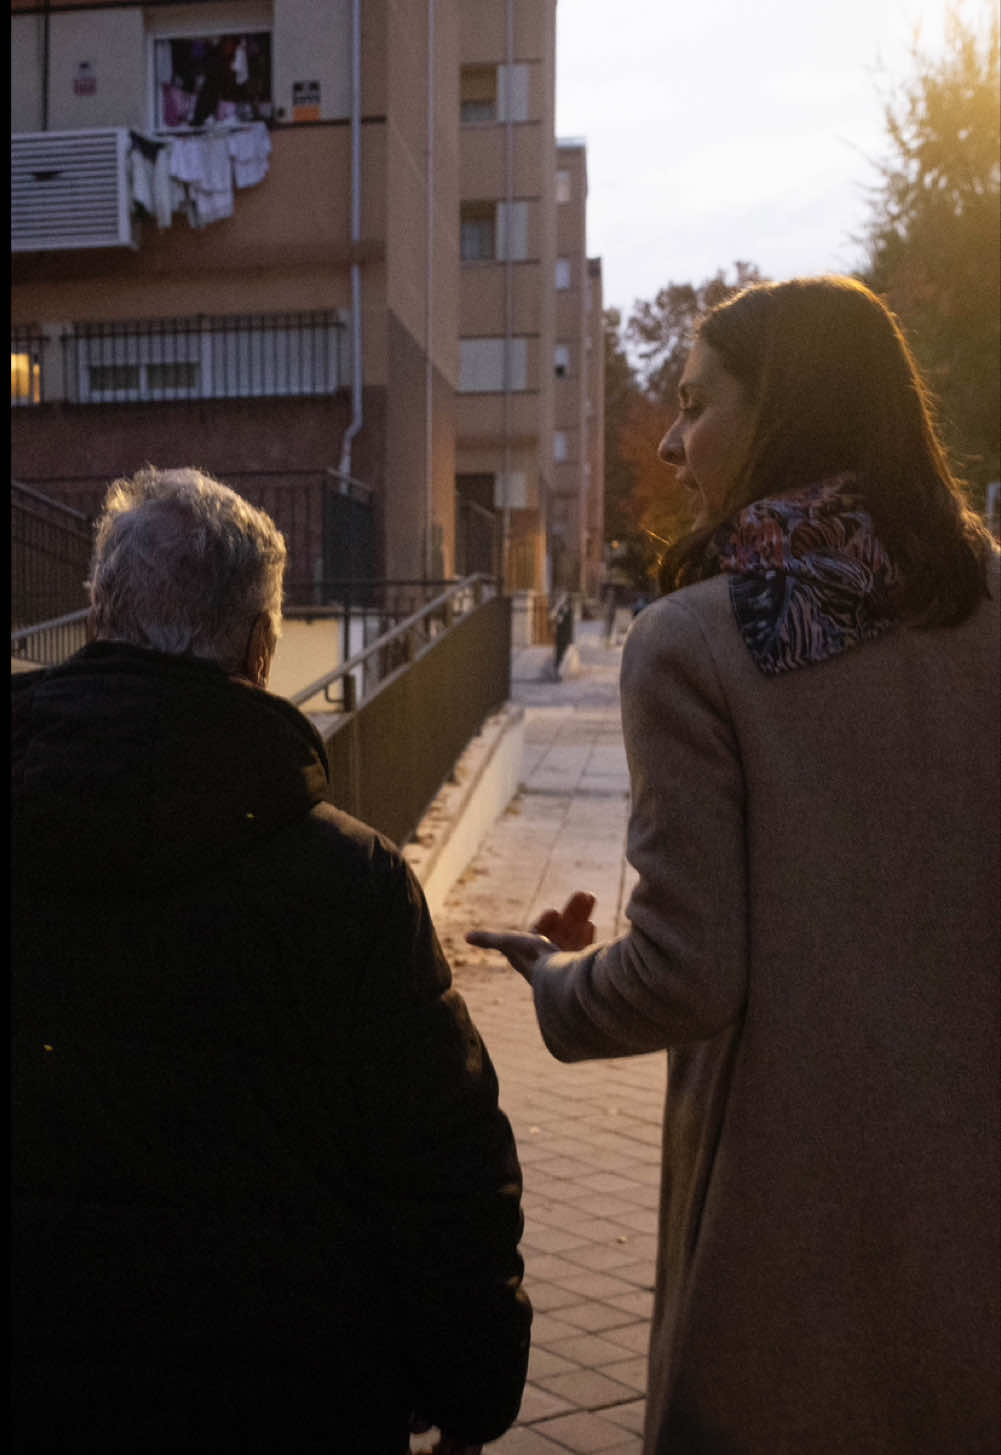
{"x": 669, "y": 449}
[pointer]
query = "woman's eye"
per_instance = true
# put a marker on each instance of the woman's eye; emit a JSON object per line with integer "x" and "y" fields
{"x": 690, "y": 411}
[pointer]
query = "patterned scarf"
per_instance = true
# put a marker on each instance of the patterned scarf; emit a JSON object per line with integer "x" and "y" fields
{"x": 809, "y": 577}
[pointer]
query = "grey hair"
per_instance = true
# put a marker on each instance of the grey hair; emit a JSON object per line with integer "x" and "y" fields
{"x": 182, "y": 564}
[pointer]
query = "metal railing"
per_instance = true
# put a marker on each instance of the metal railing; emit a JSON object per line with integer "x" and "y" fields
{"x": 50, "y": 546}
{"x": 407, "y": 706}
{"x": 50, "y": 642}
{"x": 225, "y": 357}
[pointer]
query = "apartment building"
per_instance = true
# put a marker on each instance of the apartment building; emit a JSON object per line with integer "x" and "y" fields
{"x": 297, "y": 334}
{"x": 577, "y": 504}
{"x": 311, "y": 248}
{"x": 504, "y": 411}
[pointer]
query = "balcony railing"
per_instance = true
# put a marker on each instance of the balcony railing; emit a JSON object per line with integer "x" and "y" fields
{"x": 237, "y": 356}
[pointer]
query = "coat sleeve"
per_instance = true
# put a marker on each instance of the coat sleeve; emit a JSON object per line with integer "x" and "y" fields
{"x": 679, "y": 974}
{"x": 441, "y": 1178}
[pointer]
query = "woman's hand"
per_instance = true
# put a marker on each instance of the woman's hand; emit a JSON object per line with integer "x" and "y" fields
{"x": 566, "y": 929}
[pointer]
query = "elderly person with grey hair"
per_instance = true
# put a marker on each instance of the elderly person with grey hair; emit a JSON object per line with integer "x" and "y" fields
{"x": 265, "y": 1198}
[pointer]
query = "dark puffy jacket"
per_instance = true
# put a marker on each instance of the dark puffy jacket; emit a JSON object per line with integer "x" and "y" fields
{"x": 264, "y": 1194}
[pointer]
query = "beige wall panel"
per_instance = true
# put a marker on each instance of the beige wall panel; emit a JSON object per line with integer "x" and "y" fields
{"x": 480, "y": 419}
{"x": 483, "y": 308}
{"x": 483, "y": 152}
{"x": 313, "y": 43}
{"x": 374, "y": 58}
{"x": 113, "y": 42}
{"x": 26, "y": 72}
{"x": 567, "y": 404}
{"x": 484, "y": 29}
{"x": 483, "y": 32}
{"x": 423, "y": 269}
{"x": 569, "y": 313}
{"x": 78, "y": 300}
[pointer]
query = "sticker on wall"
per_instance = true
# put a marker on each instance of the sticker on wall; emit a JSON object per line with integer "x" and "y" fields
{"x": 85, "y": 79}
{"x": 305, "y": 100}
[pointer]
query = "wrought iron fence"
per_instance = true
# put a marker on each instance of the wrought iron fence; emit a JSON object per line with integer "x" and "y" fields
{"x": 324, "y": 527}
{"x": 50, "y": 547}
{"x": 234, "y": 356}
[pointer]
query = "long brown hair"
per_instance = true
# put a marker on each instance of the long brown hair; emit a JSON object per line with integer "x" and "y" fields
{"x": 834, "y": 387}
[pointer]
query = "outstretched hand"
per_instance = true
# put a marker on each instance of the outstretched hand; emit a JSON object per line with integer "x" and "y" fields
{"x": 567, "y": 929}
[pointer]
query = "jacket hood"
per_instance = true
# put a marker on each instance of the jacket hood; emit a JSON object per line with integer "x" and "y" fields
{"x": 137, "y": 770}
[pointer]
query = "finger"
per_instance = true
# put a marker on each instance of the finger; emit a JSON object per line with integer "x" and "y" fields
{"x": 579, "y": 906}
{"x": 486, "y": 939}
{"x": 548, "y": 921}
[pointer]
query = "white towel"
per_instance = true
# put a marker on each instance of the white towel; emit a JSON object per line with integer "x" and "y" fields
{"x": 249, "y": 150}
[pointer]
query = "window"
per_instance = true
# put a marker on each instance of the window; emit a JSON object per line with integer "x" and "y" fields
{"x": 561, "y": 361}
{"x": 563, "y": 188}
{"x": 481, "y": 365}
{"x": 206, "y": 358}
{"x": 225, "y": 77}
{"x": 25, "y": 366}
{"x": 477, "y": 231}
{"x": 495, "y": 93}
{"x": 561, "y": 447}
{"x": 563, "y": 274}
{"x": 478, "y": 93}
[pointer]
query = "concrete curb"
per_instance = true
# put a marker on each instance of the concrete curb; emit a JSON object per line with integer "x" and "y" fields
{"x": 485, "y": 779}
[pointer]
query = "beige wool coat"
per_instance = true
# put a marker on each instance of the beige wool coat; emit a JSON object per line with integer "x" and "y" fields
{"x": 814, "y": 937}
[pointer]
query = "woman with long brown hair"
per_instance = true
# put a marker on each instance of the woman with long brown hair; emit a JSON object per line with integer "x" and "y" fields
{"x": 811, "y": 717}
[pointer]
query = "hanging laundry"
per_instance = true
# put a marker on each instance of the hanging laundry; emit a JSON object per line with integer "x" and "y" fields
{"x": 240, "y": 68}
{"x": 149, "y": 177}
{"x": 202, "y": 163}
{"x": 249, "y": 149}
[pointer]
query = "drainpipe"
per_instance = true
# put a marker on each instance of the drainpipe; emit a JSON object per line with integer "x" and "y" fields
{"x": 428, "y": 309}
{"x": 508, "y": 290}
{"x": 356, "y": 322}
{"x": 45, "y": 67}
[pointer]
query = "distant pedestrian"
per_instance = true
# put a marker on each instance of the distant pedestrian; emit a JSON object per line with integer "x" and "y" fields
{"x": 811, "y": 719}
{"x": 611, "y": 611}
{"x": 264, "y": 1197}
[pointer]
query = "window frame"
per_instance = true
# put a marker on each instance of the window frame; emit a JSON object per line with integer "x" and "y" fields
{"x": 262, "y": 112}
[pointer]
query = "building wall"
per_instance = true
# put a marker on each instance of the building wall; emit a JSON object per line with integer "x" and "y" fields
{"x": 595, "y": 339}
{"x": 507, "y": 158}
{"x": 571, "y": 457}
{"x": 288, "y": 247}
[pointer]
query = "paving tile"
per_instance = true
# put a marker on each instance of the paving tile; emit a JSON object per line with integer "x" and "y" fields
{"x": 587, "y": 1388}
{"x": 538, "y": 1403}
{"x": 588, "y": 1350}
{"x": 549, "y": 1296}
{"x": 548, "y": 1328}
{"x": 629, "y": 1416}
{"x": 542, "y": 1363}
{"x": 628, "y": 1371}
{"x": 595, "y": 1316}
{"x": 525, "y": 1440}
{"x": 583, "y": 1433}
{"x": 630, "y": 1336}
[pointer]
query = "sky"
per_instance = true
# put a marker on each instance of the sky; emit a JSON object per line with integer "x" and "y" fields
{"x": 726, "y": 129}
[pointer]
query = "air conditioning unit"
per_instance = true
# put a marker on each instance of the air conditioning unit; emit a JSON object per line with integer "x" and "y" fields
{"x": 69, "y": 189}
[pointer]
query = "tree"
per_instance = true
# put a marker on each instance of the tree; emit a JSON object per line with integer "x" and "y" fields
{"x": 934, "y": 238}
{"x": 661, "y": 331}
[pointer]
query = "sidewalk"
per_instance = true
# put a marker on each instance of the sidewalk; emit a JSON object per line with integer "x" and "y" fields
{"x": 588, "y": 1135}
